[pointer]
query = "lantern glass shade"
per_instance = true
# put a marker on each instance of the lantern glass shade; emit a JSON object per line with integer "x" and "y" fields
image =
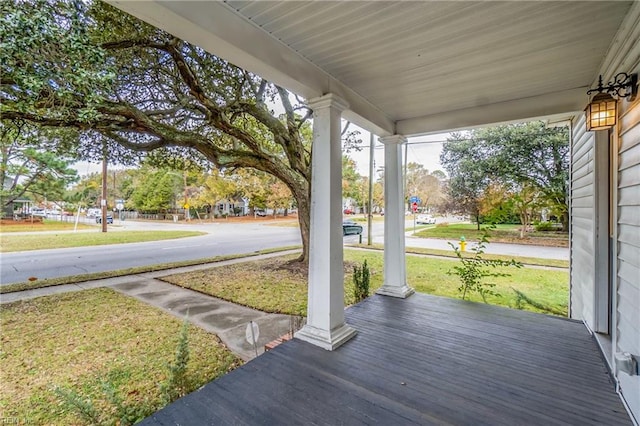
{"x": 602, "y": 112}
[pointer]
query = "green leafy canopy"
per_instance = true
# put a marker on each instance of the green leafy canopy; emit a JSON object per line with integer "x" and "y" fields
{"x": 130, "y": 91}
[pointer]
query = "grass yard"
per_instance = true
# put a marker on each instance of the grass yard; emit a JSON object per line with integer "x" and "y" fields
{"x": 79, "y": 340}
{"x": 39, "y": 241}
{"x": 501, "y": 234}
{"x": 46, "y": 225}
{"x": 261, "y": 284}
{"x": 265, "y": 285}
{"x": 360, "y": 218}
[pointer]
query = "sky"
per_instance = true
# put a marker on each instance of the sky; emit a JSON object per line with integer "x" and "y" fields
{"x": 423, "y": 150}
{"x": 85, "y": 168}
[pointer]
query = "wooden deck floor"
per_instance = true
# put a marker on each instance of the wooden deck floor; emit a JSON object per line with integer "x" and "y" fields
{"x": 424, "y": 360}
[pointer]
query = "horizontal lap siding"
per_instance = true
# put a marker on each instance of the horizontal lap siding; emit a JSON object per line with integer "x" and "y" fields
{"x": 630, "y": 159}
{"x": 628, "y": 265}
{"x": 582, "y": 222}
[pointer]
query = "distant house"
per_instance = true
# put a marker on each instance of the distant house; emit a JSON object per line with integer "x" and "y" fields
{"x": 231, "y": 207}
{"x": 17, "y": 208}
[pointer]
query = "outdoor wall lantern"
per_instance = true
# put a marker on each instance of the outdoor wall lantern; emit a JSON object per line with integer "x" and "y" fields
{"x": 602, "y": 112}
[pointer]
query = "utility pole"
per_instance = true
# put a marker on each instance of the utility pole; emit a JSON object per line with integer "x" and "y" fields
{"x": 186, "y": 198}
{"x": 103, "y": 202}
{"x": 370, "y": 205}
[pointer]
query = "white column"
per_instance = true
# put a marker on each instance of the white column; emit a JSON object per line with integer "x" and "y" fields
{"x": 325, "y": 311}
{"x": 395, "y": 274}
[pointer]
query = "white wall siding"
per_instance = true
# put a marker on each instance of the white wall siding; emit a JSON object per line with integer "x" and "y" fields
{"x": 582, "y": 222}
{"x": 628, "y": 240}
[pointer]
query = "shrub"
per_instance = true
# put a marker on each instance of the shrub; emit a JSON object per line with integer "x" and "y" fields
{"x": 473, "y": 270}
{"x": 361, "y": 278}
{"x": 544, "y": 226}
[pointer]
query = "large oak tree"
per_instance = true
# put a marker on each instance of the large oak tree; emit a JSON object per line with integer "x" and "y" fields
{"x": 126, "y": 86}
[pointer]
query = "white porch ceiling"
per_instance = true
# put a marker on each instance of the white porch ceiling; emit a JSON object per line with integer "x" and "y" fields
{"x": 410, "y": 67}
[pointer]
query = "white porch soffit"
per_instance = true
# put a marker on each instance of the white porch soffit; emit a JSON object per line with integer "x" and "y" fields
{"x": 409, "y": 67}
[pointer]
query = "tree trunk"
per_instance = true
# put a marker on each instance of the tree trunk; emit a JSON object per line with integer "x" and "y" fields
{"x": 304, "y": 220}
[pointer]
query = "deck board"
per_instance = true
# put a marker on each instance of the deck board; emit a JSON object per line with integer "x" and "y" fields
{"x": 424, "y": 360}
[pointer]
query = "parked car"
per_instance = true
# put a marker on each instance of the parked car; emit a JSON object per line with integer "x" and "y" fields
{"x": 109, "y": 219}
{"x": 93, "y": 212}
{"x": 349, "y": 227}
{"x": 349, "y": 211}
{"x": 38, "y": 212}
{"x": 425, "y": 219}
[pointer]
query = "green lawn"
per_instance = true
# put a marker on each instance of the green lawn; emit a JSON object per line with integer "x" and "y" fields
{"x": 502, "y": 233}
{"x": 77, "y": 340}
{"x": 267, "y": 286}
{"x": 360, "y": 218}
{"x": 41, "y": 241}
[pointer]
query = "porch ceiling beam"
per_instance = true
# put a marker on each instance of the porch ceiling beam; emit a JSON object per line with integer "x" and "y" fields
{"x": 215, "y": 27}
{"x": 557, "y": 105}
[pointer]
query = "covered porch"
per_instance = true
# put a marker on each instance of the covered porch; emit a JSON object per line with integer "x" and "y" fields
{"x": 403, "y": 69}
{"x": 422, "y": 360}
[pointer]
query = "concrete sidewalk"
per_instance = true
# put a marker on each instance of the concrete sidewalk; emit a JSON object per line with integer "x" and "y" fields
{"x": 227, "y": 320}
{"x": 526, "y": 250}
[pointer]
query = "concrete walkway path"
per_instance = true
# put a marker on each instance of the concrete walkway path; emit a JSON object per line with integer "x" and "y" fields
{"x": 227, "y": 320}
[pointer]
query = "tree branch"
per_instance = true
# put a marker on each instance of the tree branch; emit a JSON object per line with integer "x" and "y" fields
{"x": 127, "y": 44}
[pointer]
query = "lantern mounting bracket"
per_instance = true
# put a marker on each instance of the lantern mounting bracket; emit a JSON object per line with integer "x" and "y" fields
{"x": 623, "y": 85}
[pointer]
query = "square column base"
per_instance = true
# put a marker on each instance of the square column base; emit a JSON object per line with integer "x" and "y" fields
{"x": 395, "y": 291}
{"x": 329, "y": 340}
